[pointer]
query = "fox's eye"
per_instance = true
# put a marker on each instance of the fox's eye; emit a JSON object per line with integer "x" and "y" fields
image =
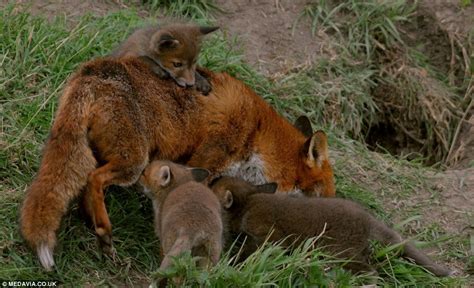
{"x": 177, "y": 64}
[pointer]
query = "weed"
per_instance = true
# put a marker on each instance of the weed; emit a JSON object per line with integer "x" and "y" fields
{"x": 37, "y": 56}
{"x": 196, "y": 9}
{"x": 377, "y": 88}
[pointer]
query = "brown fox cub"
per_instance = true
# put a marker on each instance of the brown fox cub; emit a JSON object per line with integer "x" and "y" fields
{"x": 345, "y": 226}
{"x": 115, "y": 116}
{"x": 171, "y": 51}
{"x": 187, "y": 213}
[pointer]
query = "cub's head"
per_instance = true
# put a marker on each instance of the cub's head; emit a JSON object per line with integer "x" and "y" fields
{"x": 314, "y": 173}
{"x": 233, "y": 192}
{"x": 176, "y": 49}
{"x": 160, "y": 177}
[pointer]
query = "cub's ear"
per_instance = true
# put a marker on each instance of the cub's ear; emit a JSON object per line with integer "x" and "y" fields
{"x": 228, "y": 199}
{"x": 316, "y": 149}
{"x": 207, "y": 29}
{"x": 267, "y": 188}
{"x": 164, "y": 176}
{"x": 304, "y": 125}
{"x": 199, "y": 174}
{"x": 165, "y": 41}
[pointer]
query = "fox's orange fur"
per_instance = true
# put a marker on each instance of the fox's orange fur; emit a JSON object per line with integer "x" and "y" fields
{"x": 116, "y": 114}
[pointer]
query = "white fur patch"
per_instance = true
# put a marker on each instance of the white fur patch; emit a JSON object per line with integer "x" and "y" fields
{"x": 251, "y": 170}
{"x": 45, "y": 255}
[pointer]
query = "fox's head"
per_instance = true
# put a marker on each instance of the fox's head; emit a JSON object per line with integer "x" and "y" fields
{"x": 176, "y": 49}
{"x": 234, "y": 191}
{"x": 233, "y": 194}
{"x": 160, "y": 177}
{"x": 314, "y": 173}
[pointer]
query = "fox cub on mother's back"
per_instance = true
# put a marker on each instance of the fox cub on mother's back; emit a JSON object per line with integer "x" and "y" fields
{"x": 170, "y": 50}
{"x": 345, "y": 227}
{"x": 187, "y": 213}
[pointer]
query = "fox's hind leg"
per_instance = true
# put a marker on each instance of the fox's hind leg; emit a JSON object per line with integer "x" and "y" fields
{"x": 121, "y": 147}
{"x": 119, "y": 172}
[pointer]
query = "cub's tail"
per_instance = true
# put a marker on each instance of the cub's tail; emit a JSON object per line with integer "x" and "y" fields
{"x": 388, "y": 236}
{"x": 66, "y": 162}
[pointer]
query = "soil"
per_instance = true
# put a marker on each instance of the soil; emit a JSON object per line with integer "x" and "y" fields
{"x": 265, "y": 28}
{"x": 70, "y": 8}
{"x": 265, "y": 31}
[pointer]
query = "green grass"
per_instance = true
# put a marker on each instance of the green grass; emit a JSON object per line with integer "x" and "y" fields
{"x": 374, "y": 78}
{"x": 37, "y": 57}
{"x": 196, "y": 9}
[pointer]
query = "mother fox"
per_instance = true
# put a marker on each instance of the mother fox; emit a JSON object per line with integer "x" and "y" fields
{"x": 115, "y": 116}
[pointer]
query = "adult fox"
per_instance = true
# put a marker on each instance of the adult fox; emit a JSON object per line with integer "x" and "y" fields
{"x": 115, "y": 115}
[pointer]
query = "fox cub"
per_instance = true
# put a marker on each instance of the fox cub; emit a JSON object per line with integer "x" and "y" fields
{"x": 346, "y": 227}
{"x": 187, "y": 213}
{"x": 170, "y": 51}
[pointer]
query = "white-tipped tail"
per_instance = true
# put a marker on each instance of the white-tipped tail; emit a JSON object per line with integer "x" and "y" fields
{"x": 45, "y": 255}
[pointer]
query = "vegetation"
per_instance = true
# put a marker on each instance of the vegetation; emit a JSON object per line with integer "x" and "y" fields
{"x": 38, "y": 55}
{"x": 374, "y": 81}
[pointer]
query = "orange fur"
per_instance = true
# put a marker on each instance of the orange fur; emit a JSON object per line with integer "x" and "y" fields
{"x": 118, "y": 113}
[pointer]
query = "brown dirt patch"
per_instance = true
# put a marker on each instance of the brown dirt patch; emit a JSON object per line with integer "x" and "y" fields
{"x": 265, "y": 30}
{"x": 450, "y": 15}
{"x": 456, "y": 193}
{"x": 68, "y": 8}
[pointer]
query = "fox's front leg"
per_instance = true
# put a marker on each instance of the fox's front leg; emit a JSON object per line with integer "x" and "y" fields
{"x": 155, "y": 67}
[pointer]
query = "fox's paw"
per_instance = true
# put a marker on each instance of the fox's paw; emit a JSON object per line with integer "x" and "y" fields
{"x": 203, "y": 86}
{"x": 104, "y": 237}
{"x": 45, "y": 255}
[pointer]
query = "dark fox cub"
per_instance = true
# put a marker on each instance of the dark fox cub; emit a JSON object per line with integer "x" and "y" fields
{"x": 187, "y": 213}
{"x": 345, "y": 226}
{"x": 170, "y": 51}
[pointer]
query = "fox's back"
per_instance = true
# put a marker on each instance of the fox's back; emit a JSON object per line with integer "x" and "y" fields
{"x": 341, "y": 220}
{"x": 174, "y": 121}
{"x": 137, "y": 44}
{"x": 128, "y": 94}
{"x": 193, "y": 207}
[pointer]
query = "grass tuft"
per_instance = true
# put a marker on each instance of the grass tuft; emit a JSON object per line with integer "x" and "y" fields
{"x": 38, "y": 55}
{"x": 379, "y": 89}
{"x": 195, "y": 9}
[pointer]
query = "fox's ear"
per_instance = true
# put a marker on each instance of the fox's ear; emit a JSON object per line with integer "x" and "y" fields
{"x": 199, "y": 174}
{"x": 166, "y": 41}
{"x": 207, "y": 29}
{"x": 164, "y": 176}
{"x": 267, "y": 188}
{"x": 316, "y": 149}
{"x": 228, "y": 199}
{"x": 304, "y": 125}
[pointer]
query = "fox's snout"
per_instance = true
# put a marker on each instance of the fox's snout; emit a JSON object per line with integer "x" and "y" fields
{"x": 186, "y": 83}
